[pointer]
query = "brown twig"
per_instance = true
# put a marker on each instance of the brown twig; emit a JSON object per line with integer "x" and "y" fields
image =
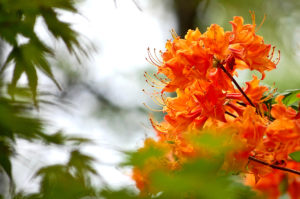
{"x": 236, "y": 84}
{"x": 232, "y": 115}
{"x": 274, "y": 166}
{"x": 241, "y": 103}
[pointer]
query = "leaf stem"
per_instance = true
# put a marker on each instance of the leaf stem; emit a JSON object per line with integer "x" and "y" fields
{"x": 274, "y": 166}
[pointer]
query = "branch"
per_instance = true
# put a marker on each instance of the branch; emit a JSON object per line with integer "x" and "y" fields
{"x": 274, "y": 166}
{"x": 236, "y": 84}
{"x": 232, "y": 115}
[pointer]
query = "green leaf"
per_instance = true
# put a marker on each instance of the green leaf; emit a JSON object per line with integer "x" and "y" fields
{"x": 60, "y": 29}
{"x": 283, "y": 186}
{"x": 79, "y": 140}
{"x": 59, "y": 183}
{"x": 45, "y": 67}
{"x": 5, "y": 154}
{"x": 10, "y": 57}
{"x": 212, "y": 142}
{"x": 119, "y": 194}
{"x": 24, "y": 57}
{"x": 198, "y": 179}
{"x": 69, "y": 181}
{"x": 35, "y": 53}
{"x": 18, "y": 70}
{"x": 19, "y": 19}
{"x": 170, "y": 142}
{"x": 82, "y": 163}
{"x": 56, "y": 138}
{"x": 291, "y": 97}
{"x": 61, "y": 4}
{"x": 32, "y": 80}
{"x": 139, "y": 158}
{"x": 6, "y": 165}
{"x": 295, "y": 156}
{"x": 16, "y": 121}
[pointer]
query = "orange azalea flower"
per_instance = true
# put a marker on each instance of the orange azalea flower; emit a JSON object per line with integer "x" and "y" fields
{"x": 252, "y": 127}
{"x": 140, "y": 179}
{"x": 280, "y": 111}
{"x": 141, "y": 173}
{"x": 269, "y": 184}
{"x": 242, "y": 34}
{"x": 192, "y": 107}
{"x": 249, "y": 49}
{"x": 191, "y": 58}
{"x": 199, "y": 68}
{"x": 253, "y": 90}
{"x": 192, "y": 36}
{"x": 216, "y": 41}
{"x": 212, "y": 103}
{"x": 181, "y": 112}
{"x": 294, "y": 180}
{"x": 220, "y": 80}
{"x": 184, "y": 61}
{"x": 247, "y": 131}
{"x": 284, "y": 132}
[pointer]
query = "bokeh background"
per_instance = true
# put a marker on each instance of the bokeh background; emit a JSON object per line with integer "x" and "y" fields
{"x": 102, "y": 97}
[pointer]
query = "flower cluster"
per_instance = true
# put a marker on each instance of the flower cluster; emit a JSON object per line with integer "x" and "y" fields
{"x": 200, "y": 68}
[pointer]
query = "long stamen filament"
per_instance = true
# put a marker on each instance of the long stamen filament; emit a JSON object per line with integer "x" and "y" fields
{"x": 151, "y": 109}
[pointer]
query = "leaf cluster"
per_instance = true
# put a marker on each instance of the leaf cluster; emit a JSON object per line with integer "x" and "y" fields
{"x": 18, "y": 121}
{"x": 28, "y": 54}
{"x": 65, "y": 181}
{"x": 18, "y": 20}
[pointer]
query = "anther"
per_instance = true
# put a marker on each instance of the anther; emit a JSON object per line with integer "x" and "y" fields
{"x": 174, "y": 34}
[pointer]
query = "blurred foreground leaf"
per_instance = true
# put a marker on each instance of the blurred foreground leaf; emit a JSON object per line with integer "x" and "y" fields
{"x": 200, "y": 179}
{"x": 29, "y": 53}
{"x": 196, "y": 177}
{"x": 65, "y": 181}
{"x": 139, "y": 158}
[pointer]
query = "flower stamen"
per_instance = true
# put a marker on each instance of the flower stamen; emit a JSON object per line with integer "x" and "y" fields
{"x": 151, "y": 109}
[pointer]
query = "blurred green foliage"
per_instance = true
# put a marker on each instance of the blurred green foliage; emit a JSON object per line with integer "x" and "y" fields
{"x": 17, "y": 22}
{"x": 199, "y": 177}
{"x": 68, "y": 181}
{"x": 139, "y": 158}
{"x": 18, "y": 118}
{"x": 17, "y": 121}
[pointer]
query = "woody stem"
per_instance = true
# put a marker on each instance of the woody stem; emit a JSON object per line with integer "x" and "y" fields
{"x": 236, "y": 84}
{"x": 232, "y": 115}
{"x": 274, "y": 166}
